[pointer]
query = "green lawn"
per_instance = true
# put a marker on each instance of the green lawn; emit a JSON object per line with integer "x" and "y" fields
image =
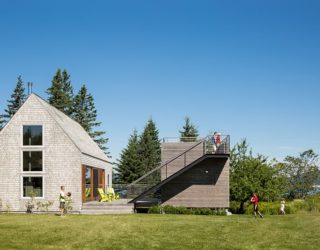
{"x": 143, "y": 231}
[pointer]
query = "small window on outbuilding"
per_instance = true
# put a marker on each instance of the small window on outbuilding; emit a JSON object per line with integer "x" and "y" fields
{"x": 33, "y": 185}
{"x": 32, "y": 135}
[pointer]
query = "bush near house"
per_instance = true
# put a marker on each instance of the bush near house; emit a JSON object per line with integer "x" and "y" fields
{"x": 167, "y": 209}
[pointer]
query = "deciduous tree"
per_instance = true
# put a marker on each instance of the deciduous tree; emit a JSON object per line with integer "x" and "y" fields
{"x": 302, "y": 173}
{"x": 249, "y": 174}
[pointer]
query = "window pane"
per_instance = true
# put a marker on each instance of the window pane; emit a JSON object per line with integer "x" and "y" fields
{"x": 88, "y": 183}
{"x": 88, "y": 176}
{"x": 32, "y": 135}
{"x": 32, "y": 160}
{"x": 32, "y": 184}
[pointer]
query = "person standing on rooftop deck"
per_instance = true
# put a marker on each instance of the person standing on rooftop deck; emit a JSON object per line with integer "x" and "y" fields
{"x": 62, "y": 199}
{"x": 213, "y": 143}
{"x": 255, "y": 203}
{"x": 216, "y": 141}
{"x": 217, "y": 138}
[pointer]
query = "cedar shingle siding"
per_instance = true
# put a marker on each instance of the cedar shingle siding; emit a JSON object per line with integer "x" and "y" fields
{"x": 66, "y": 146}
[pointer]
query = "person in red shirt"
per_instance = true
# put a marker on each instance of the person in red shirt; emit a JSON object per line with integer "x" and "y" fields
{"x": 255, "y": 203}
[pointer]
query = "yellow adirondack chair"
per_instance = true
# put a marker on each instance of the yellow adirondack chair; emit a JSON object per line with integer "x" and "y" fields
{"x": 112, "y": 194}
{"x": 103, "y": 197}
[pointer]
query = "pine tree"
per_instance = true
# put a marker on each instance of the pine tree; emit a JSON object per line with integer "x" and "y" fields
{"x": 17, "y": 99}
{"x": 189, "y": 131}
{"x": 85, "y": 113}
{"x": 129, "y": 164}
{"x": 149, "y": 148}
{"x": 68, "y": 91}
{"x": 60, "y": 94}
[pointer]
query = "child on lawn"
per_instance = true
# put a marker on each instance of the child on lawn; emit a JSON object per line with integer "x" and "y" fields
{"x": 255, "y": 203}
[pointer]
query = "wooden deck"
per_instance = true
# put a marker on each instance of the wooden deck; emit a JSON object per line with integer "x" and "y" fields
{"x": 120, "y": 206}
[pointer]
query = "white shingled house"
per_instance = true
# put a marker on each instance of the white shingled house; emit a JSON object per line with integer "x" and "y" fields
{"x": 42, "y": 149}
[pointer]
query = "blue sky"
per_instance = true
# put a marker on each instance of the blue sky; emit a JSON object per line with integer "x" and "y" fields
{"x": 250, "y": 69}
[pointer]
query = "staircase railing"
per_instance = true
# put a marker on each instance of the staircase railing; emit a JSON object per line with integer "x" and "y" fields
{"x": 155, "y": 176}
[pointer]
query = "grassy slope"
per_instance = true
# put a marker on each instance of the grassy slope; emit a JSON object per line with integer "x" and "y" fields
{"x": 159, "y": 231}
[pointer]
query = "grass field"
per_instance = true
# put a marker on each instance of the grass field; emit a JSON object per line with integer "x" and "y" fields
{"x": 143, "y": 231}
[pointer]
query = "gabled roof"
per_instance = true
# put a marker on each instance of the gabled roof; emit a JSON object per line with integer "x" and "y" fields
{"x": 74, "y": 131}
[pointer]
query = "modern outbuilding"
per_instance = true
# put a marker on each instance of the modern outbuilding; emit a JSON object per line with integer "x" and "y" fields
{"x": 193, "y": 174}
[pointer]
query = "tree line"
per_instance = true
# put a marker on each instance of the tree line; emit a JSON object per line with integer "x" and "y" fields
{"x": 80, "y": 107}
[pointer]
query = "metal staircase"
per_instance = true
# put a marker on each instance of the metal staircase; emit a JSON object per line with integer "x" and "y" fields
{"x": 148, "y": 185}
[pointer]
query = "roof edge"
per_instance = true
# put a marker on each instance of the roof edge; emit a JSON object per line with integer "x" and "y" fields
{"x": 66, "y": 131}
{"x": 56, "y": 121}
{"x": 28, "y": 97}
{"x": 97, "y": 158}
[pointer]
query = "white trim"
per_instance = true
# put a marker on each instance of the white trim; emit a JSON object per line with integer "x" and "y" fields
{"x": 21, "y": 187}
{"x": 33, "y": 124}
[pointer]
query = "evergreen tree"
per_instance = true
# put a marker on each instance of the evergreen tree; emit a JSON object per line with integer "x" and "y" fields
{"x": 189, "y": 131}
{"x": 129, "y": 164}
{"x": 17, "y": 99}
{"x": 68, "y": 91}
{"x": 149, "y": 148}
{"x": 85, "y": 113}
{"x": 60, "y": 94}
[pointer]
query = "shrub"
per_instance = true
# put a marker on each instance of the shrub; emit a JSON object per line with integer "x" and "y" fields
{"x": 167, "y": 209}
{"x": 155, "y": 210}
{"x": 44, "y": 206}
{"x": 314, "y": 204}
{"x": 234, "y": 207}
{"x": 270, "y": 208}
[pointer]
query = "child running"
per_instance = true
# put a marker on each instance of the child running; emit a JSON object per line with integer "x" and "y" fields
{"x": 255, "y": 203}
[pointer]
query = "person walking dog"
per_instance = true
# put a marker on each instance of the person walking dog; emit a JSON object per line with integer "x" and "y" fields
{"x": 255, "y": 203}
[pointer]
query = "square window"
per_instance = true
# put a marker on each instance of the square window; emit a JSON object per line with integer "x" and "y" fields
{"x": 32, "y": 135}
{"x": 32, "y": 161}
{"x": 32, "y": 185}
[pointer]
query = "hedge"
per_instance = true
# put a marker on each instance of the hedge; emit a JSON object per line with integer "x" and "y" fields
{"x": 167, "y": 209}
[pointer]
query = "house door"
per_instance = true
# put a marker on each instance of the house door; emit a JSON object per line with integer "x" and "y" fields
{"x": 92, "y": 179}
